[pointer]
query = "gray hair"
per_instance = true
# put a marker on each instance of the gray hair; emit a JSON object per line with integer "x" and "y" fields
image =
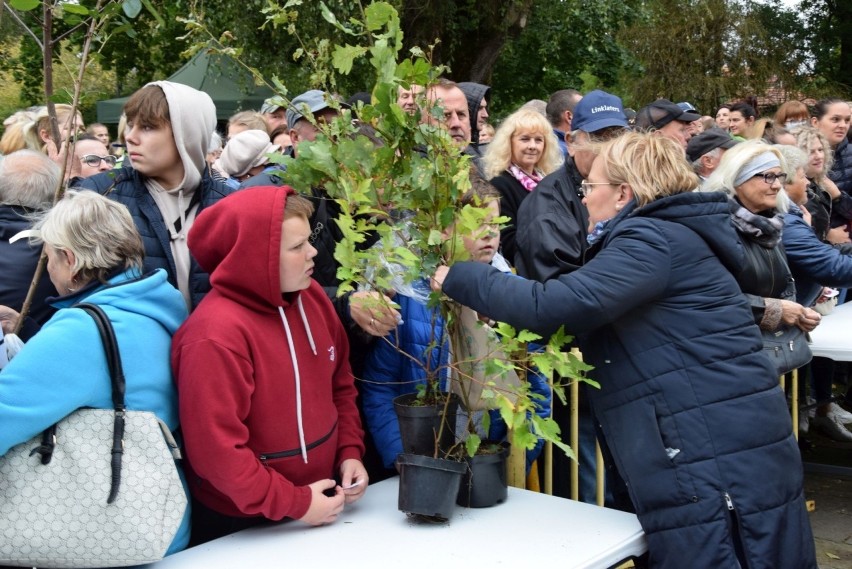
{"x": 732, "y": 163}
{"x": 715, "y": 154}
{"x": 29, "y": 179}
{"x": 100, "y": 232}
{"x": 793, "y": 159}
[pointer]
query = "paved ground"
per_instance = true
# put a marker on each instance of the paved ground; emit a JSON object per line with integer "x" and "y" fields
{"x": 831, "y": 492}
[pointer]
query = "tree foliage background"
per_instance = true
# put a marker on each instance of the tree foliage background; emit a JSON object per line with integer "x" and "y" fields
{"x": 703, "y": 51}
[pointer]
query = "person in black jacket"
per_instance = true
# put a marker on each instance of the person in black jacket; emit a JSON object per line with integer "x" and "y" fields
{"x": 551, "y": 241}
{"x": 28, "y": 181}
{"x": 709, "y": 457}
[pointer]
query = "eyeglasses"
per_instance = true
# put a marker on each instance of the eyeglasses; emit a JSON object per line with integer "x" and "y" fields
{"x": 587, "y": 187}
{"x": 94, "y": 160}
{"x": 770, "y": 178}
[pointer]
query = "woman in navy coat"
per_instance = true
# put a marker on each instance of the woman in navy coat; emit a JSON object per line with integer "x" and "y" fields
{"x": 688, "y": 403}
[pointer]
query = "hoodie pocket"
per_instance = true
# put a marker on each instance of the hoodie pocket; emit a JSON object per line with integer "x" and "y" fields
{"x": 648, "y": 467}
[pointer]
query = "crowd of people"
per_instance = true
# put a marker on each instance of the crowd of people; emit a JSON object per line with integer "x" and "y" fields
{"x": 663, "y": 239}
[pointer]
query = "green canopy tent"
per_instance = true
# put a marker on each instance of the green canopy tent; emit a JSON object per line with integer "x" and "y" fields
{"x": 230, "y": 86}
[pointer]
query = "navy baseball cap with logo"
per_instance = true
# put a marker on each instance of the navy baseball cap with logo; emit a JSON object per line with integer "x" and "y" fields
{"x": 598, "y": 110}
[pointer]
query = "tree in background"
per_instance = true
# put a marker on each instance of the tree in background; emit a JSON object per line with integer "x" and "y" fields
{"x": 711, "y": 51}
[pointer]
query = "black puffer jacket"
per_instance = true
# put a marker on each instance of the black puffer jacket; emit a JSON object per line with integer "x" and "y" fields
{"x": 127, "y": 186}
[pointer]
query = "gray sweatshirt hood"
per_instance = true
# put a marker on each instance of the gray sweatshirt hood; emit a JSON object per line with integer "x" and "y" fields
{"x": 193, "y": 118}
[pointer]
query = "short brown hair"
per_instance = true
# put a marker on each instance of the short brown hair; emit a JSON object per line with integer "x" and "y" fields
{"x": 481, "y": 191}
{"x": 149, "y": 107}
{"x": 298, "y": 206}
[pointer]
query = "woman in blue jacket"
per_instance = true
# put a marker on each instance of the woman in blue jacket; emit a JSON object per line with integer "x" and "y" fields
{"x": 94, "y": 256}
{"x": 688, "y": 403}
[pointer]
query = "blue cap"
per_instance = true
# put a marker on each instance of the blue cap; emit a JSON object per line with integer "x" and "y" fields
{"x": 598, "y": 110}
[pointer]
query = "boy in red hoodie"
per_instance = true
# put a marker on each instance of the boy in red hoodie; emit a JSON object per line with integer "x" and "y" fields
{"x": 267, "y": 397}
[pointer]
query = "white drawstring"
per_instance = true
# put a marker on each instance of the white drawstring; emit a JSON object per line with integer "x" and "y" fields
{"x": 302, "y": 445}
{"x": 307, "y": 326}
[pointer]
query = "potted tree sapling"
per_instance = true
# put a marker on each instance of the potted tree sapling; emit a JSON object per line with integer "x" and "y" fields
{"x": 402, "y": 183}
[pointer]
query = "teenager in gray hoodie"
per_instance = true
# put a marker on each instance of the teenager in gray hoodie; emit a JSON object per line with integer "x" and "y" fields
{"x": 165, "y": 182}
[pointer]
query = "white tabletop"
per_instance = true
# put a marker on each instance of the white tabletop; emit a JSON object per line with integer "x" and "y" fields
{"x": 527, "y": 530}
{"x": 833, "y": 337}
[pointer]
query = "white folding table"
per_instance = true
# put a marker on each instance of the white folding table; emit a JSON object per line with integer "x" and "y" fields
{"x": 527, "y": 530}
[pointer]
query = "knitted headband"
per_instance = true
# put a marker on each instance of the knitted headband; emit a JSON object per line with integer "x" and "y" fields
{"x": 756, "y": 165}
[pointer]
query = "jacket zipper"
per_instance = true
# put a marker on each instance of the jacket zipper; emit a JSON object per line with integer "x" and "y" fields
{"x": 736, "y": 532}
{"x": 295, "y": 452}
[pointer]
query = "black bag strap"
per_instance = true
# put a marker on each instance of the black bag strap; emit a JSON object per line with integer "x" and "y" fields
{"x": 116, "y": 373}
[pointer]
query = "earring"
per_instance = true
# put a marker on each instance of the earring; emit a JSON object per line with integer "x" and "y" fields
{"x": 617, "y": 207}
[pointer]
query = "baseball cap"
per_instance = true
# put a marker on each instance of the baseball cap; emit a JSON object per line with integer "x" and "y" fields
{"x": 661, "y": 112}
{"x": 687, "y": 106}
{"x": 598, "y": 110}
{"x": 270, "y": 106}
{"x": 707, "y": 141}
{"x": 314, "y": 100}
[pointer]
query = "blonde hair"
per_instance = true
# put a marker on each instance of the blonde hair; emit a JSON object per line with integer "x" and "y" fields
{"x": 99, "y": 231}
{"x": 732, "y": 163}
{"x": 41, "y": 122}
{"x": 252, "y": 120}
{"x": 498, "y": 155}
{"x": 653, "y": 166}
{"x": 805, "y": 135}
{"x": 13, "y": 138}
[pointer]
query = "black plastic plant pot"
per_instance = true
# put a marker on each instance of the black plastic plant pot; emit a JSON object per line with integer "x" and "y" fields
{"x": 419, "y": 424}
{"x": 484, "y": 482}
{"x": 428, "y": 487}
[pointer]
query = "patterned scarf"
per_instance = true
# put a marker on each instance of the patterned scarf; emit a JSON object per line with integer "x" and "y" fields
{"x": 528, "y": 181}
{"x": 763, "y": 230}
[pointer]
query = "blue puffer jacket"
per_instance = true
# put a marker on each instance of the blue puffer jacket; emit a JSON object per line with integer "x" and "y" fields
{"x": 841, "y": 171}
{"x": 689, "y": 405}
{"x": 127, "y": 186}
{"x": 814, "y": 264}
{"x": 388, "y": 373}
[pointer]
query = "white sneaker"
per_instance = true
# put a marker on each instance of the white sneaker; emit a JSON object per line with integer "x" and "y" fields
{"x": 842, "y": 414}
{"x": 831, "y": 427}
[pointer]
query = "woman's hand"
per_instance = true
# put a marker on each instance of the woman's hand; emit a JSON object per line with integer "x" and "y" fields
{"x": 794, "y": 314}
{"x": 323, "y": 509}
{"x": 8, "y": 319}
{"x": 437, "y": 280}
{"x": 353, "y": 479}
{"x": 372, "y": 311}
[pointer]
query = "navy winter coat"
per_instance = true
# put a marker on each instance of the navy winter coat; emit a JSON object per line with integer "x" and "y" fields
{"x": 689, "y": 404}
{"x": 814, "y": 264}
{"x": 127, "y": 186}
{"x": 18, "y": 263}
{"x": 841, "y": 171}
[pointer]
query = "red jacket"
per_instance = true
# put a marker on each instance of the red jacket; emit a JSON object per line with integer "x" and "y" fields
{"x": 250, "y": 452}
